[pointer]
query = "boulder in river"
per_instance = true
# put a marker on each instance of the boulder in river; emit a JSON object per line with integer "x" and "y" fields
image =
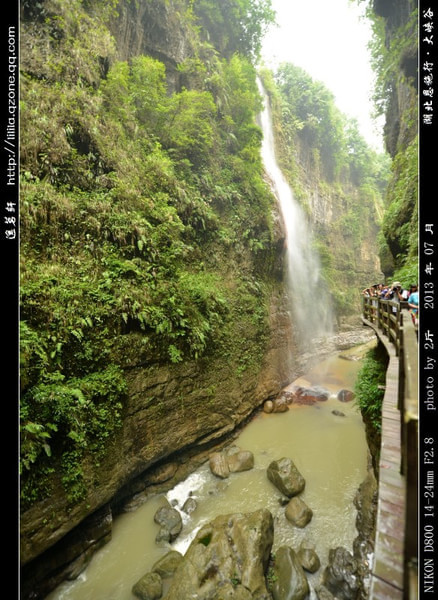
{"x": 345, "y": 395}
{"x": 189, "y": 506}
{"x": 308, "y": 558}
{"x": 167, "y": 564}
{"x": 231, "y": 460}
{"x": 286, "y": 477}
{"x": 304, "y": 395}
{"x": 170, "y": 522}
{"x": 289, "y": 580}
{"x": 228, "y": 558}
{"x": 219, "y": 465}
{"x": 268, "y": 406}
{"x": 149, "y": 587}
{"x": 241, "y": 460}
{"x": 279, "y": 404}
{"x": 298, "y": 513}
{"x": 338, "y": 413}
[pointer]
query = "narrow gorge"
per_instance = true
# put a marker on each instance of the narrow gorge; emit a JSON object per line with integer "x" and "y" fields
{"x": 157, "y": 313}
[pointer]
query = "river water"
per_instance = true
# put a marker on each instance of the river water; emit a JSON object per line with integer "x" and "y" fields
{"x": 329, "y": 450}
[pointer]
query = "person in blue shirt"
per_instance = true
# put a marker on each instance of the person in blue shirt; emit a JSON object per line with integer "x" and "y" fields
{"x": 413, "y": 302}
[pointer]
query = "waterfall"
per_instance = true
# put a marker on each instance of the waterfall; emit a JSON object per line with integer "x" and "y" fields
{"x": 310, "y": 299}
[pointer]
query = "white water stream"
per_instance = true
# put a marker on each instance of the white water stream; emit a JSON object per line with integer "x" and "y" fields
{"x": 310, "y": 299}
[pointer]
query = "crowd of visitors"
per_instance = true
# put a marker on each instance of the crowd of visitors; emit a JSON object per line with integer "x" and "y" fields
{"x": 397, "y": 293}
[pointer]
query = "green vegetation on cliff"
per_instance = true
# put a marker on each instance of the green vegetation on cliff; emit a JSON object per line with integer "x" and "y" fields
{"x": 394, "y": 56}
{"x": 146, "y": 222}
{"x": 339, "y": 180}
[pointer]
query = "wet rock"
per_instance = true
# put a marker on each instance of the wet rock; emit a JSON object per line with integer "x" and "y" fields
{"x": 219, "y": 465}
{"x": 323, "y": 593}
{"x": 167, "y": 564}
{"x": 287, "y": 396}
{"x": 338, "y": 413}
{"x": 290, "y": 582}
{"x": 189, "y": 506}
{"x": 149, "y": 587}
{"x": 298, "y": 513}
{"x": 345, "y": 395}
{"x": 286, "y": 477}
{"x": 310, "y": 395}
{"x": 280, "y": 405}
{"x": 232, "y": 460}
{"x": 227, "y": 558}
{"x": 340, "y": 576}
{"x": 268, "y": 406}
{"x": 234, "y": 591}
{"x": 243, "y": 460}
{"x": 365, "y": 501}
{"x": 363, "y": 545}
{"x": 308, "y": 558}
{"x": 170, "y": 522}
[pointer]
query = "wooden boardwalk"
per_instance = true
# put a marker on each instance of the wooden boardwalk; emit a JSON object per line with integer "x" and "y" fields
{"x": 389, "y": 577}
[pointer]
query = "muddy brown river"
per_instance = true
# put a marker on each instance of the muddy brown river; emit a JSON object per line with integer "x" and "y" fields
{"x": 329, "y": 450}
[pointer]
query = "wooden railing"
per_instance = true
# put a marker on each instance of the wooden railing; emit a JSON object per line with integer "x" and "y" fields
{"x": 394, "y": 326}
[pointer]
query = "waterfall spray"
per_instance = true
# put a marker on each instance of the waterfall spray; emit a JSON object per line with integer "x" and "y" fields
{"x": 309, "y": 297}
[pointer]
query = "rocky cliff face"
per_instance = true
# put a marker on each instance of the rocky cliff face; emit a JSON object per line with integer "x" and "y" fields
{"x": 396, "y": 15}
{"x": 401, "y": 131}
{"x": 154, "y": 29}
{"x": 346, "y": 223}
{"x": 172, "y": 413}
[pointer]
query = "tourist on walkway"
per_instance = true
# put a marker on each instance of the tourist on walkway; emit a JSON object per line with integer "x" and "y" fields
{"x": 379, "y": 289}
{"x": 395, "y": 294}
{"x": 413, "y": 302}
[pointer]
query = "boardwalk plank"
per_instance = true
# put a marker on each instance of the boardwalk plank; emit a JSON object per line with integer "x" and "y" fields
{"x": 381, "y": 590}
{"x": 387, "y": 577}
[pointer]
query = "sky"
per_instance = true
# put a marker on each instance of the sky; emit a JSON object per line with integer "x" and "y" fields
{"x": 328, "y": 39}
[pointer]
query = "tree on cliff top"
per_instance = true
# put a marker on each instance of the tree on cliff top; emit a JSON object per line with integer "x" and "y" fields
{"x": 235, "y": 25}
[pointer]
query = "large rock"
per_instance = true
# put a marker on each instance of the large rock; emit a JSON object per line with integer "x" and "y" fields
{"x": 290, "y": 582}
{"x": 304, "y": 395}
{"x": 167, "y": 564}
{"x": 341, "y": 575}
{"x": 170, "y": 522}
{"x": 308, "y": 558}
{"x": 286, "y": 477}
{"x": 278, "y": 405}
{"x": 239, "y": 460}
{"x": 232, "y": 460}
{"x": 189, "y": 506}
{"x": 345, "y": 395}
{"x": 323, "y": 593}
{"x": 228, "y": 558}
{"x": 298, "y": 513}
{"x": 219, "y": 465}
{"x": 149, "y": 587}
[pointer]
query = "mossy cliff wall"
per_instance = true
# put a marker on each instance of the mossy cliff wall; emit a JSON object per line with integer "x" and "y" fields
{"x": 396, "y": 24}
{"x": 154, "y": 319}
